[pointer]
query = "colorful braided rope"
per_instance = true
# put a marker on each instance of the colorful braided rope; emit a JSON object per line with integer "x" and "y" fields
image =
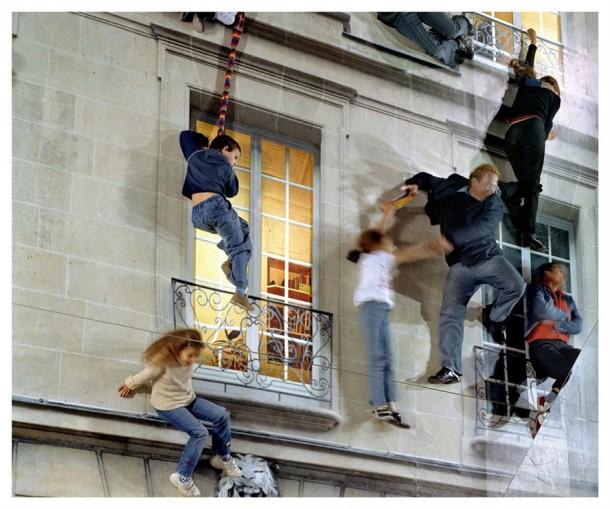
{"x": 224, "y": 102}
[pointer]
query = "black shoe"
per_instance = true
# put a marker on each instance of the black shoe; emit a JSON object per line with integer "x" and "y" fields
{"x": 496, "y": 329}
{"x": 533, "y": 242}
{"x": 444, "y": 376}
{"x": 465, "y": 47}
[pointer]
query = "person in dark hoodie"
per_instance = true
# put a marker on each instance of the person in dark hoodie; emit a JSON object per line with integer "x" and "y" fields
{"x": 530, "y": 120}
{"x": 209, "y": 181}
{"x": 468, "y": 212}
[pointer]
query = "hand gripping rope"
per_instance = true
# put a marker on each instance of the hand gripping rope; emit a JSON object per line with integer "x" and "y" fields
{"x": 224, "y": 103}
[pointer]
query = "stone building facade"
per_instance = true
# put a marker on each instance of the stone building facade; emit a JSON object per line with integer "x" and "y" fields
{"x": 102, "y": 239}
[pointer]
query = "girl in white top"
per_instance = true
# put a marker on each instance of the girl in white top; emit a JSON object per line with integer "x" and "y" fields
{"x": 170, "y": 362}
{"x": 374, "y": 296}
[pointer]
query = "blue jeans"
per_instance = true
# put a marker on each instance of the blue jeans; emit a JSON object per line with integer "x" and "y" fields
{"x": 186, "y": 418}
{"x": 375, "y": 325}
{"x": 215, "y": 215}
{"x": 440, "y": 43}
{"x": 460, "y": 285}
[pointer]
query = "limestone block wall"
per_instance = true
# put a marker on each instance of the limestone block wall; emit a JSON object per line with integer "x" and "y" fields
{"x": 100, "y": 227}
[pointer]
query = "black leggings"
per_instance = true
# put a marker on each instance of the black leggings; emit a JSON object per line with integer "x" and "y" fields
{"x": 525, "y": 143}
{"x": 553, "y": 358}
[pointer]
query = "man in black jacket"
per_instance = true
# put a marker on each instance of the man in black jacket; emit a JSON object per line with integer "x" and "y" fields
{"x": 468, "y": 212}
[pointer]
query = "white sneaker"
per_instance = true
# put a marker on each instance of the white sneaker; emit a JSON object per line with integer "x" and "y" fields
{"x": 187, "y": 489}
{"x": 229, "y": 467}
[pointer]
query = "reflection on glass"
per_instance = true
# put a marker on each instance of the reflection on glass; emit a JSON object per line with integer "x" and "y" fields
{"x": 301, "y": 167}
{"x": 300, "y": 243}
{"x": 509, "y": 231}
{"x": 273, "y": 197}
{"x": 273, "y": 159}
{"x": 560, "y": 243}
{"x": 542, "y": 232}
{"x": 273, "y": 238}
{"x": 301, "y": 205}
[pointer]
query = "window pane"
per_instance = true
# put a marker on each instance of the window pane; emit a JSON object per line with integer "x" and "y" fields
{"x": 299, "y": 362}
{"x": 273, "y": 159}
{"x": 243, "y": 197}
{"x": 274, "y": 197}
{"x": 551, "y": 26}
{"x": 301, "y": 167}
{"x": 208, "y": 259}
{"x": 509, "y": 231}
{"x": 542, "y": 232}
{"x": 301, "y": 204}
{"x": 272, "y": 232}
{"x": 299, "y": 282}
{"x": 504, "y": 16}
{"x": 560, "y": 243}
{"x": 300, "y": 243}
{"x": 530, "y": 20}
{"x": 207, "y": 129}
{"x": 273, "y": 276}
{"x": 537, "y": 261}
{"x": 568, "y": 287}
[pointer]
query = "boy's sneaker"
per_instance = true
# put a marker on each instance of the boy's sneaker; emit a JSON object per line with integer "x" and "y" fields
{"x": 465, "y": 47}
{"x": 537, "y": 417}
{"x": 229, "y": 467}
{"x": 242, "y": 301}
{"x": 226, "y": 268}
{"x": 186, "y": 489}
{"x": 444, "y": 376}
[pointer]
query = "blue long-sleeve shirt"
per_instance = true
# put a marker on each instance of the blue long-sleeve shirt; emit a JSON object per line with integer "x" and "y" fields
{"x": 541, "y": 305}
{"x": 469, "y": 224}
{"x": 207, "y": 169}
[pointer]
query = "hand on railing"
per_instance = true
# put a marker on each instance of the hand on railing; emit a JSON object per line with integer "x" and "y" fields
{"x": 531, "y": 33}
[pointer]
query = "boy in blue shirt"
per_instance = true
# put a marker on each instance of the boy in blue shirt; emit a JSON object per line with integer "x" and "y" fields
{"x": 209, "y": 181}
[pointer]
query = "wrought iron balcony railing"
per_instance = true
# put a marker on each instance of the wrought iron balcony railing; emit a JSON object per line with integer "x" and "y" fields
{"x": 500, "y": 42}
{"x": 279, "y": 346}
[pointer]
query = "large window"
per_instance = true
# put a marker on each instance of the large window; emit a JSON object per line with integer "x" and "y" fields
{"x": 502, "y": 370}
{"x": 276, "y": 196}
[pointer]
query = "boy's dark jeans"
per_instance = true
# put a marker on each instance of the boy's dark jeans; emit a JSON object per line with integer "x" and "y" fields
{"x": 215, "y": 215}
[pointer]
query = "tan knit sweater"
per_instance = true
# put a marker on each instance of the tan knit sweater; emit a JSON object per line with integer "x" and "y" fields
{"x": 172, "y": 387}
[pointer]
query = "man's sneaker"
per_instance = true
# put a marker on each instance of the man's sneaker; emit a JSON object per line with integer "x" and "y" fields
{"x": 242, "y": 301}
{"x": 186, "y": 489}
{"x": 226, "y": 268}
{"x": 444, "y": 376}
{"x": 229, "y": 467}
{"x": 465, "y": 47}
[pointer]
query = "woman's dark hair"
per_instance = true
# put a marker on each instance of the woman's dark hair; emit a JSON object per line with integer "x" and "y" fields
{"x": 367, "y": 242}
{"x": 522, "y": 69}
{"x": 223, "y": 141}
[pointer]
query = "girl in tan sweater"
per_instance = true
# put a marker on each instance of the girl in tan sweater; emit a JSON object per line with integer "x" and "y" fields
{"x": 170, "y": 362}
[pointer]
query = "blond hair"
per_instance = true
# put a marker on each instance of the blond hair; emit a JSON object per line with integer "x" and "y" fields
{"x": 165, "y": 350}
{"x": 483, "y": 169}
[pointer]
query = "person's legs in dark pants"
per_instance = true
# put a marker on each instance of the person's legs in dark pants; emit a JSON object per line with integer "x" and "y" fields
{"x": 410, "y": 25}
{"x": 525, "y": 146}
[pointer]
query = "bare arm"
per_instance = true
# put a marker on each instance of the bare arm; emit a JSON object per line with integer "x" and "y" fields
{"x": 388, "y": 213}
{"x": 432, "y": 249}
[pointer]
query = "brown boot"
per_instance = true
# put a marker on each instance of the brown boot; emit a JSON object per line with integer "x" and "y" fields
{"x": 226, "y": 268}
{"x": 242, "y": 302}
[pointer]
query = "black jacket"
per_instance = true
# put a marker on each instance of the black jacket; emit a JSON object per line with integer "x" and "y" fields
{"x": 469, "y": 224}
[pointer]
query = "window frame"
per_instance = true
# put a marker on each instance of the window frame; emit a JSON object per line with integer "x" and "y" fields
{"x": 227, "y": 375}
